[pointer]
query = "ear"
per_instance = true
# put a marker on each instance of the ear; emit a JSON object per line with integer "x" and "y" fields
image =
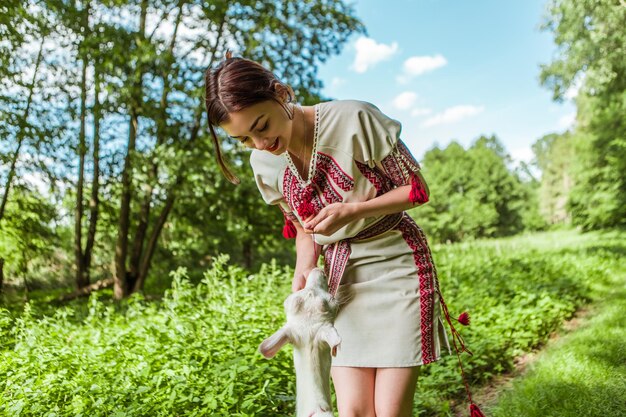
{"x": 270, "y": 346}
{"x": 285, "y": 92}
{"x": 329, "y": 335}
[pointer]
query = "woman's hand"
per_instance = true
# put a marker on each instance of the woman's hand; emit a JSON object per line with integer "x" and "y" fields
{"x": 331, "y": 218}
{"x": 299, "y": 279}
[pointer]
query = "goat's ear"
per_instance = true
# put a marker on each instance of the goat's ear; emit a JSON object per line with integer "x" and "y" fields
{"x": 270, "y": 346}
{"x": 329, "y": 335}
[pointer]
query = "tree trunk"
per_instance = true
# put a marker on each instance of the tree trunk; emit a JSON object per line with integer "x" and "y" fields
{"x": 123, "y": 281}
{"x": 169, "y": 203}
{"x": 161, "y": 123}
{"x": 21, "y": 133}
{"x": 94, "y": 202}
{"x": 1, "y": 274}
{"x": 82, "y": 150}
{"x": 148, "y": 252}
{"x": 247, "y": 254}
{"x": 85, "y": 291}
{"x": 154, "y": 237}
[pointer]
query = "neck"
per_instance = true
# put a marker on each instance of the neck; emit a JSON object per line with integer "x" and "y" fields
{"x": 300, "y": 147}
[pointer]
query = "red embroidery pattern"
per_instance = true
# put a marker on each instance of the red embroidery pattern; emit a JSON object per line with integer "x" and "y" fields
{"x": 326, "y": 169}
{"x": 288, "y": 214}
{"x": 328, "y": 191}
{"x": 328, "y": 164}
{"x": 335, "y": 260}
{"x": 399, "y": 164}
{"x": 409, "y": 160}
{"x": 392, "y": 168}
{"x": 387, "y": 223}
{"x": 376, "y": 177}
{"x": 294, "y": 193}
{"x": 429, "y": 285}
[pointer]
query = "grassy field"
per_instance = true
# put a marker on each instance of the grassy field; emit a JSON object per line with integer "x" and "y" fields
{"x": 193, "y": 353}
{"x": 583, "y": 372}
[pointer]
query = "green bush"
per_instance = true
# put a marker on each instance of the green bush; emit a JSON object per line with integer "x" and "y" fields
{"x": 194, "y": 353}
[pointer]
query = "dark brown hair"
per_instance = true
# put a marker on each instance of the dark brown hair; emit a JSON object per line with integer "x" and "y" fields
{"x": 235, "y": 84}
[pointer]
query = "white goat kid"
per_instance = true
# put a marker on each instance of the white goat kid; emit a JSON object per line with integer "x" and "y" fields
{"x": 310, "y": 313}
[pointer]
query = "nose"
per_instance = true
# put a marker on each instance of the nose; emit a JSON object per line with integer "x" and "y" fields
{"x": 261, "y": 142}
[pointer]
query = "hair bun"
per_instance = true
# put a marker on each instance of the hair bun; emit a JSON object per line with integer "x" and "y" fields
{"x": 229, "y": 54}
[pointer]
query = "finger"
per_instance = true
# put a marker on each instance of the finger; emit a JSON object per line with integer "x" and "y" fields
{"x": 325, "y": 227}
{"x": 315, "y": 220}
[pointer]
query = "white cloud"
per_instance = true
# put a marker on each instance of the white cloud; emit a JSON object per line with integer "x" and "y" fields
{"x": 567, "y": 121}
{"x": 369, "y": 53}
{"x": 452, "y": 115}
{"x": 418, "y": 65}
{"x": 405, "y": 100}
{"x": 420, "y": 111}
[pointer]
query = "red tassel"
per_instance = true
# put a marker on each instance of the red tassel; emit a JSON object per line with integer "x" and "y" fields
{"x": 475, "y": 411}
{"x": 464, "y": 318}
{"x": 418, "y": 193}
{"x": 307, "y": 209}
{"x": 289, "y": 230}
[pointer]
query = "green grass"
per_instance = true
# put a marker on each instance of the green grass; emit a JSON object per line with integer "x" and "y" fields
{"x": 584, "y": 372}
{"x": 194, "y": 353}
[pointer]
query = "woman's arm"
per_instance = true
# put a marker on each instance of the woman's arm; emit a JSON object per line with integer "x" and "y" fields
{"x": 307, "y": 254}
{"x": 334, "y": 216}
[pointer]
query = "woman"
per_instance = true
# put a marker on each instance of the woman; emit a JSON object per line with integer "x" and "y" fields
{"x": 343, "y": 179}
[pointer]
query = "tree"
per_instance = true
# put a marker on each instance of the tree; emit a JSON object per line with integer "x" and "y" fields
{"x": 162, "y": 87}
{"x": 554, "y": 157}
{"x": 591, "y": 51}
{"x": 473, "y": 193}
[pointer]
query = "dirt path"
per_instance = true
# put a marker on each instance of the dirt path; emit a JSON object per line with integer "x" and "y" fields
{"x": 487, "y": 395}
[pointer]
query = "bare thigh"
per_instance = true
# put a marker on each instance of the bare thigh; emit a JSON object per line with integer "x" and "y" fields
{"x": 394, "y": 390}
{"x": 355, "y": 390}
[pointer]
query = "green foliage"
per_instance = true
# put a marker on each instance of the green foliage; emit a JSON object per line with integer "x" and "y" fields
{"x": 583, "y": 372}
{"x": 554, "y": 155}
{"x": 194, "y": 352}
{"x": 591, "y": 54}
{"x": 27, "y": 237}
{"x": 473, "y": 193}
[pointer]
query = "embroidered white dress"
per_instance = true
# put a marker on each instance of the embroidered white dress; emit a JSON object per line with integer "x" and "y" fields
{"x": 382, "y": 265}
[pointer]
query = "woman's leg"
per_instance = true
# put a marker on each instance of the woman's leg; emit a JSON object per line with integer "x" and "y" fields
{"x": 394, "y": 389}
{"x": 355, "y": 390}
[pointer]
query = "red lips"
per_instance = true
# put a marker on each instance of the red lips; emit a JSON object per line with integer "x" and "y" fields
{"x": 274, "y": 146}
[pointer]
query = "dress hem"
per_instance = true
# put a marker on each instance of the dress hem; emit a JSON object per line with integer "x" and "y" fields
{"x": 409, "y": 365}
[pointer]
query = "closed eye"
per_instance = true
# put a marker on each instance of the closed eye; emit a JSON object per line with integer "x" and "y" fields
{"x": 264, "y": 127}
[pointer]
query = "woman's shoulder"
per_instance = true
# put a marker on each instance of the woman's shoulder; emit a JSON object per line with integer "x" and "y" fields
{"x": 340, "y": 107}
{"x": 354, "y": 115}
{"x": 346, "y": 114}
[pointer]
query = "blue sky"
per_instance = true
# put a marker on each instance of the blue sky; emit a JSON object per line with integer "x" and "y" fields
{"x": 453, "y": 70}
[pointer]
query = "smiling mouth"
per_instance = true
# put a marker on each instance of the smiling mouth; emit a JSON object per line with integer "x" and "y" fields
{"x": 274, "y": 146}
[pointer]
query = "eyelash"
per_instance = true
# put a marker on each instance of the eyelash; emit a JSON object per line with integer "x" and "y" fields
{"x": 244, "y": 140}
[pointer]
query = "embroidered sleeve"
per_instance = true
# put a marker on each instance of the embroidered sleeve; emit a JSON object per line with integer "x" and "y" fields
{"x": 266, "y": 178}
{"x": 402, "y": 169}
{"x": 383, "y": 149}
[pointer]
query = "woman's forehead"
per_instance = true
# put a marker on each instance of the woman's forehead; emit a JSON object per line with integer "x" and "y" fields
{"x": 241, "y": 122}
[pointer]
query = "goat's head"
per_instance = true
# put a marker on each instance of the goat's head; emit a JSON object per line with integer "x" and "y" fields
{"x": 310, "y": 313}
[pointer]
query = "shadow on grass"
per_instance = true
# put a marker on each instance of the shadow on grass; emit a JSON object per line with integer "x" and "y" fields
{"x": 582, "y": 374}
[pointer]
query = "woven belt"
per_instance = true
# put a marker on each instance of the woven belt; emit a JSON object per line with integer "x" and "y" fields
{"x": 336, "y": 254}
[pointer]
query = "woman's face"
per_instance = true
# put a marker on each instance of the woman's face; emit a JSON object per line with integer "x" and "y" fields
{"x": 264, "y": 126}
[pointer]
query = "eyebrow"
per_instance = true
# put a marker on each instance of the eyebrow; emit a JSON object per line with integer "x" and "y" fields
{"x": 251, "y": 127}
